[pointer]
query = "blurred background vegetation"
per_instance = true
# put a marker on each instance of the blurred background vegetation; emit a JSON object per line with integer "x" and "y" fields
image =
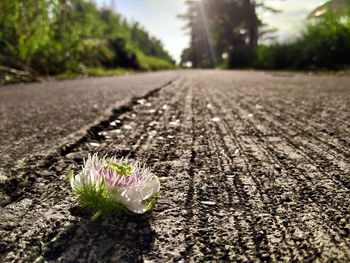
{"x": 226, "y": 34}
{"x": 67, "y": 37}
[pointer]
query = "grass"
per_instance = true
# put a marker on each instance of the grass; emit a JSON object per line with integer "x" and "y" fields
{"x": 146, "y": 63}
{"x": 108, "y": 72}
{"x": 96, "y": 71}
{"x": 149, "y": 63}
{"x": 10, "y": 78}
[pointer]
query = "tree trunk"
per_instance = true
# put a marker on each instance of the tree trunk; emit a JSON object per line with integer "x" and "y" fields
{"x": 253, "y": 23}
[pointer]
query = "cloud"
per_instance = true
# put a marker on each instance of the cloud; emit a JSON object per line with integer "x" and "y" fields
{"x": 291, "y": 20}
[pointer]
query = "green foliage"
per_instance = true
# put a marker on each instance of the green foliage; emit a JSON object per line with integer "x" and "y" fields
{"x": 23, "y": 30}
{"x": 150, "y": 63}
{"x": 141, "y": 37}
{"x": 60, "y": 36}
{"x": 324, "y": 44}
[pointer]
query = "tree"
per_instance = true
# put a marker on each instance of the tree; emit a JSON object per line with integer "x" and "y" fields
{"x": 201, "y": 51}
{"x": 219, "y": 26}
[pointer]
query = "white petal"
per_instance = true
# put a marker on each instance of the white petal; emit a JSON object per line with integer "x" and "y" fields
{"x": 133, "y": 201}
{"x": 151, "y": 188}
{"x": 75, "y": 181}
{"x": 132, "y": 197}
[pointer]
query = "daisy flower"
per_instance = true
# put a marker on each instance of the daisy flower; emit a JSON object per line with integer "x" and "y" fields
{"x": 108, "y": 185}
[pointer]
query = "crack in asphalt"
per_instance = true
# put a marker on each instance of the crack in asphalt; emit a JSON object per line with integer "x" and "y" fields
{"x": 23, "y": 178}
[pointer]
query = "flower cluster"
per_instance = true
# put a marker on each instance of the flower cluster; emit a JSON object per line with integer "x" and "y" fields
{"x": 108, "y": 185}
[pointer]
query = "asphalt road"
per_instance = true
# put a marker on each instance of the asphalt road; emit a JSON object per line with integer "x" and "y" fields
{"x": 254, "y": 166}
{"x": 40, "y": 117}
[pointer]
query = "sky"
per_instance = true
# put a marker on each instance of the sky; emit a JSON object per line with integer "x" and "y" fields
{"x": 159, "y": 18}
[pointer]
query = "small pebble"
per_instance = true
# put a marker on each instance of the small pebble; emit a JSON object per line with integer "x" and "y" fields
{"x": 208, "y": 203}
{"x": 94, "y": 144}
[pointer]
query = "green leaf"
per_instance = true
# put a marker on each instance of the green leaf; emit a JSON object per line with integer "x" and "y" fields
{"x": 70, "y": 172}
{"x": 96, "y": 215}
{"x": 152, "y": 201}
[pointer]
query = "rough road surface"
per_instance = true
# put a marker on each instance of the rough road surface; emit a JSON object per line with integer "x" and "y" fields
{"x": 254, "y": 167}
{"x": 36, "y": 119}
